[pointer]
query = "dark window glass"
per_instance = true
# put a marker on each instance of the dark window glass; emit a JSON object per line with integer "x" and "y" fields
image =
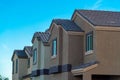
{"x": 13, "y": 67}
{"x": 16, "y": 65}
{"x": 34, "y": 56}
{"x": 28, "y": 62}
{"x": 89, "y": 42}
{"x": 54, "y": 47}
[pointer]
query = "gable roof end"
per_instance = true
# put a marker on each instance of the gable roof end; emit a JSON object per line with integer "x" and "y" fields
{"x": 28, "y": 49}
{"x": 43, "y": 36}
{"x": 68, "y": 25}
{"x": 101, "y": 18}
{"x": 20, "y": 54}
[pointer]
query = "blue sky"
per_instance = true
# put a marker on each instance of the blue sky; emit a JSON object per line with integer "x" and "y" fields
{"x": 19, "y": 19}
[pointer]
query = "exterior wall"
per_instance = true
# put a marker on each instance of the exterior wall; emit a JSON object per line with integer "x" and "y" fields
{"x": 47, "y": 56}
{"x": 43, "y": 58}
{"x": 107, "y": 51}
{"x": 106, "y": 48}
{"x": 65, "y": 48}
{"x": 31, "y": 63}
{"x": 55, "y": 33}
{"x": 76, "y": 45}
{"x": 15, "y": 76}
{"x": 36, "y": 45}
{"x": 68, "y": 47}
{"x": 87, "y": 27}
{"x": 22, "y": 67}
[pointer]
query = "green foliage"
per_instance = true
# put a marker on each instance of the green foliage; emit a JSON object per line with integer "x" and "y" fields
{"x": 6, "y": 79}
{"x": 0, "y": 77}
{"x": 3, "y": 78}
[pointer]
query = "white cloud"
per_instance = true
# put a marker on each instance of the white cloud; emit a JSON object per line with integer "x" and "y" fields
{"x": 5, "y": 47}
{"x": 97, "y": 4}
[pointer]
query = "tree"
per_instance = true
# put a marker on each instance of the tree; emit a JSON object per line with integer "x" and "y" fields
{"x": 3, "y": 78}
{"x": 0, "y": 77}
{"x": 6, "y": 79}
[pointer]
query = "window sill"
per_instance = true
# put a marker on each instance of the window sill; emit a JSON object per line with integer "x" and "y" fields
{"x": 88, "y": 52}
{"x": 53, "y": 57}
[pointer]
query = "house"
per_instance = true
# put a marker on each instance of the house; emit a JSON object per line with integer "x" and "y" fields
{"x": 101, "y": 44}
{"x": 19, "y": 58}
{"x": 21, "y": 64}
{"x": 65, "y": 43}
{"x": 41, "y": 56}
{"x": 28, "y": 51}
{"x": 84, "y": 48}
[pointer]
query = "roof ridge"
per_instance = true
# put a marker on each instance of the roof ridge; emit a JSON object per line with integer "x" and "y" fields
{"x": 97, "y": 10}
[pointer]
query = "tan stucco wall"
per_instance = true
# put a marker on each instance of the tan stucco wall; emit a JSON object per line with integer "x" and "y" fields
{"x": 76, "y": 48}
{"x": 36, "y": 45}
{"x": 86, "y": 27}
{"x": 108, "y": 52}
{"x": 22, "y": 68}
{"x": 55, "y": 31}
{"x": 29, "y": 70}
{"x": 43, "y": 58}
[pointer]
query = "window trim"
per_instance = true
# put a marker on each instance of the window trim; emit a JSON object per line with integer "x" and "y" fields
{"x": 54, "y": 54}
{"x": 28, "y": 63}
{"x": 16, "y": 65}
{"x": 89, "y": 44}
{"x": 34, "y": 62}
{"x": 13, "y": 67}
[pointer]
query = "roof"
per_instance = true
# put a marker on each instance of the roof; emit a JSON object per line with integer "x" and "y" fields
{"x": 68, "y": 25}
{"x": 101, "y": 18}
{"x": 43, "y": 36}
{"x": 28, "y": 49}
{"x": 86, "y": 65}
{"x": 20, "y": 54}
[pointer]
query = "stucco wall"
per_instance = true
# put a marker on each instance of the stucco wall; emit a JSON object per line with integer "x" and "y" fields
{"x": 76, "y": 48}
{"x": 37, "y": 45}
{"x": 86, "y": 27}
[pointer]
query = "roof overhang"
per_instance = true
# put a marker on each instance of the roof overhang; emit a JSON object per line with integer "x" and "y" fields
{"x": 82, "y": 70}
{"x": 107, "y": 28}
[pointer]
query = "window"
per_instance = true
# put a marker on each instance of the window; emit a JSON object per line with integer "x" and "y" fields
{"x": 16, "y": 65}
{"x": 89, "y": 42}
{"x": 28, "y": 62}
{"x": 54, "y": 47}
{"x": 34, "y": 56}
{"x": 13, "y": 67}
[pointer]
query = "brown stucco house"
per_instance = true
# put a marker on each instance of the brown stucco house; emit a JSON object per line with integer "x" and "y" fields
{"x": 84, "y": 48}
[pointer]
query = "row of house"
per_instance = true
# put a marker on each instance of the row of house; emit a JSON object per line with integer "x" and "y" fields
{"x": 86, "y": 47}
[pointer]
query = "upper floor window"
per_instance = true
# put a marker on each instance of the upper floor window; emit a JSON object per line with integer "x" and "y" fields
{"x": 54, "y": 47}
{"x": 16, "y": 65}
{"x": 28, "y": 62}
{"x": 13, "y": 67}
{"x": 34, "y": 56}
{"x": 89, "y": 41}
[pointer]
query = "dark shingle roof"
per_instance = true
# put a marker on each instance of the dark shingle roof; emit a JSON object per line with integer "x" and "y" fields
{"x": 28, "y": 49}
{"x": 20, "y": 54}
{"x": 68, "y": 25}
{"x": 101, "y": 18}
{"x": 85, "y": 65}
{"x": 43, "y": 36}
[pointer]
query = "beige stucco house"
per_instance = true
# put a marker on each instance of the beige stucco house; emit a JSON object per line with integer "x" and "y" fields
{"x": 101, "y": 44}
{"x": 19, "y": 58}
{"x": 21, "y": 64}
{"x": 86, "y": 47}
{"x": 41, "y": 56}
